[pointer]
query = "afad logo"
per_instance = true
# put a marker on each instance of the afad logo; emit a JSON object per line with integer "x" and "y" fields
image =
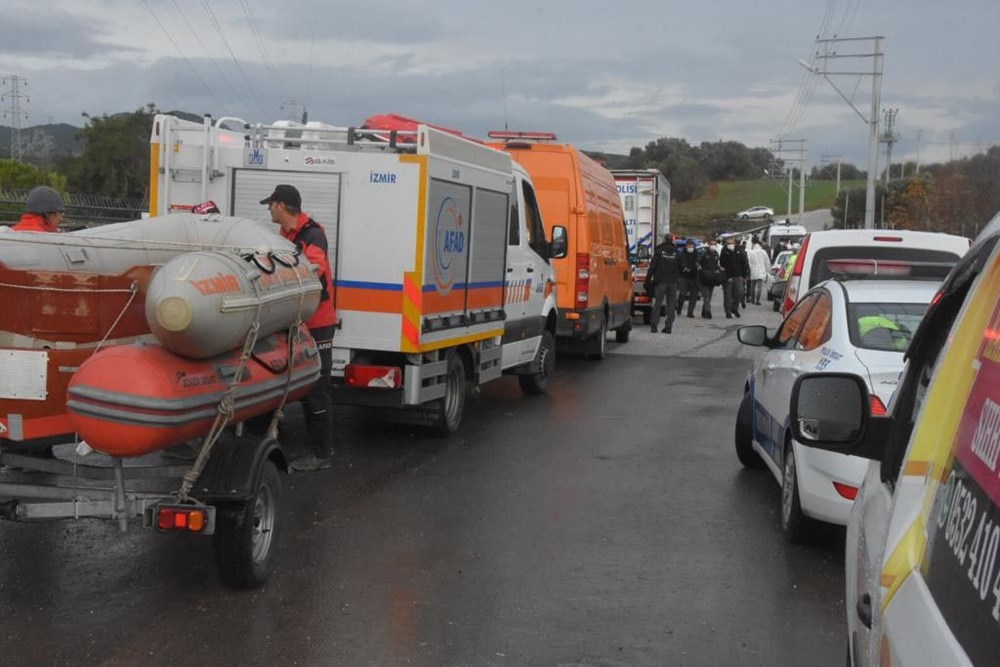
{"x": 449, "y": 245}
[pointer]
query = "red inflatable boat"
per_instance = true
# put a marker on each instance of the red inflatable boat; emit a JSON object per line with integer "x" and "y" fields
{"x": 131, "y": 400}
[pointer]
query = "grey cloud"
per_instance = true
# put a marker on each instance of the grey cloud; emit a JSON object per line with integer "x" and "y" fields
{"x": 377, "y": 21}
{"x": 53, "y": 34}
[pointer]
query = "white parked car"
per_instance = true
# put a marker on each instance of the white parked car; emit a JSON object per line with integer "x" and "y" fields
{"x": 756, "y": 212}
{"x": 860, "y": 327}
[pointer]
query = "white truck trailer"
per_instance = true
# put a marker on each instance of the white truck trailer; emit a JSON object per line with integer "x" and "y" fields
{"x": 440, "y": 260}
{"x": 645, "y": 195}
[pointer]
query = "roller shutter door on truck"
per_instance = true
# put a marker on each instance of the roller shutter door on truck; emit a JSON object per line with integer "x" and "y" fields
{"x": 320, "y": 198}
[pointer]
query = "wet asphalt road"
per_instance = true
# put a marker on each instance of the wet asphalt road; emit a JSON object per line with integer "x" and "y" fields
{"x": 607, "y": 523}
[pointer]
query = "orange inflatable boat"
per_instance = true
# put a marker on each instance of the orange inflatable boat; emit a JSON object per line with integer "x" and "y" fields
{"x": 131, "y": 400}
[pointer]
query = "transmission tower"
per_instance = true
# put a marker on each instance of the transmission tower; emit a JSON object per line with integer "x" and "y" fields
{"x": 12, "y": 97}
{"x": 292, "y": 107}
{"x": 889, "y": 138}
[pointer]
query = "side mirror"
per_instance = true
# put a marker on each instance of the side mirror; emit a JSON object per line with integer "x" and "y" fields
{"x": 754, "y": 334}
{"x": 831, "y": 411}
{"x": 778, "y": 289}
{"x": 559, "y": 245}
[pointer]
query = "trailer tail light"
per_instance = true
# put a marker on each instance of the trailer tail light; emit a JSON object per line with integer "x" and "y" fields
{"x": 373, "y": 377}
{"x": 792, "y": 289}
{"x": 186, "y": 518}
{"x": 846, "y": 490}
{"x": 582, "y": 280}
{"x": 877, "y": 407}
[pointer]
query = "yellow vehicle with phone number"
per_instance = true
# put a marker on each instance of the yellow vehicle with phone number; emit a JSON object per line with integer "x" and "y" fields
{"x": 923, "y": 542}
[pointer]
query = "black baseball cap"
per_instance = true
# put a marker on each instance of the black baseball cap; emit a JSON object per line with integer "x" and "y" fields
{"x": 286, "y": 194}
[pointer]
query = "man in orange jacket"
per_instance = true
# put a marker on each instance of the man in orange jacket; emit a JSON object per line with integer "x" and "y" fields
{"x": 44, "y": 212}
{"x": 285, "y": 206}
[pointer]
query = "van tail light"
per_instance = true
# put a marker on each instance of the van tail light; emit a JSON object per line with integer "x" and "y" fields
{"x": 375, "y": 377}
{"x": 846, "y": 490}
{"x": 877, "y": 407}
{"x": 582, "y": 281}
{"x": 792, "y": 290}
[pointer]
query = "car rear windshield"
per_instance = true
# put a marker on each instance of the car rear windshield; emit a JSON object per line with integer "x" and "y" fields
{"x": 922, "y": 263}
{"x": 884, "y": 326}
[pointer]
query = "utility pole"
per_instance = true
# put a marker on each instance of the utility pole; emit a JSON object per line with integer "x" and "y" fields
{"x": 889, "y": 138}
{"x": 292, "y": 106}
{"x": 13, "y": 96}
{"x": 801, "y": 159}
{"x": 827, "y": 53}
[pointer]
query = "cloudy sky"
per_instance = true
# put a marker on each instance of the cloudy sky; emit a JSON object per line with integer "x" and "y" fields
{"x": 603, "y": 75}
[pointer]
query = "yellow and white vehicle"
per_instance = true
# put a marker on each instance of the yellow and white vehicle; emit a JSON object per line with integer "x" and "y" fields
{"x": 439, "y": 254}
{"x": 923, "y": 542}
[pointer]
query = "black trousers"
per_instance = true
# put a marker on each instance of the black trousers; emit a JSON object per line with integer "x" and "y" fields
{"x": 664, "y": 292}
{"x": 317, "y": 405}
{"x": 689, "y": 289}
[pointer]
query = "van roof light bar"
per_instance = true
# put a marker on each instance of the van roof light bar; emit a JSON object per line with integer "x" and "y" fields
{"x": 524, "y": 136}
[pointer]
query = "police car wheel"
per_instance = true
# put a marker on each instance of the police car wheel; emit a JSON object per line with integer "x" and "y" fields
{"x": 744, "y": 434}
{"x": 795, "y": 525}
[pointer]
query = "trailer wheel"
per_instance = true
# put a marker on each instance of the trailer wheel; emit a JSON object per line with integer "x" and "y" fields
{"x": 449, "y": 409}
{"x": 537, "y": 382}
{"x": 246, "y": 535}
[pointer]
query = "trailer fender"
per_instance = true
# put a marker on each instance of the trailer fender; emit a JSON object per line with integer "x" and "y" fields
{"x": 231, "y": 473}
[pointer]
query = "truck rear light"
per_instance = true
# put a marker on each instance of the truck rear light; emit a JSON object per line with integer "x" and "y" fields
{"x": 582, "y": 280}
{"x": 846, "y": 490}
{"x": 877, "y": 407}
{"x": 374, "y": 377}
{"x": 185, "y": 518}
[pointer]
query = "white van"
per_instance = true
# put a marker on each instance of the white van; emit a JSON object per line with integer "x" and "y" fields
{"x": 923, "y": 542}
{"x": 882, "y": 253}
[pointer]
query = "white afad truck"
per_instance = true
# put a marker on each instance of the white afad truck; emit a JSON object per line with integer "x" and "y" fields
{"x": 440, "y": 260}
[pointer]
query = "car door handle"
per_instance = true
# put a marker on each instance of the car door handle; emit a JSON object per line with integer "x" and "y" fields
{"x": 531, "y": 269}
{"x": 510, "y": 269}
{"x": 864, "y": 609}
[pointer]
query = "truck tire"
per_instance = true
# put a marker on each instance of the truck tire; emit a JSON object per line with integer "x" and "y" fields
{"x": 246, "y": 534}
{"x": 744, "y": 434}
{"x": 537, "y": 382}
{"x": 623, "y": 332}
{"x": 597, "y": 346}
{"x": 448, "y": 410}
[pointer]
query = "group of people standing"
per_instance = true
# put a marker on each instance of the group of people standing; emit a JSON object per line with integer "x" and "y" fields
{"x": 678, "y": 275}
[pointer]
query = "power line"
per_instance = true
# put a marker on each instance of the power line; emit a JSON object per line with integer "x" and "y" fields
{"x": 218, "y": 28}
{"x": 268, "y": 64}
{"x": 194, "y": 71}
{"x": 207, "y": 53}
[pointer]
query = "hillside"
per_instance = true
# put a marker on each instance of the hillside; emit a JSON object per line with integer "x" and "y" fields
{"x": 723, "y": 199}
{"x": 43, "y": 143}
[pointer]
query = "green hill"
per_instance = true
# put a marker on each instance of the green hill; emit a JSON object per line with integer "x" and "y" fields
{"x": 723, "y": 199}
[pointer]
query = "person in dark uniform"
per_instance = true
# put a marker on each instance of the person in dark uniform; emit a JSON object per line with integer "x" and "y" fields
{"x": 734, "y": 265}
{"x": 708, "y": 277}
{"x": 688, "y": 266}
{"x": 664, "y": 274}
{"x": 285, "y": 206}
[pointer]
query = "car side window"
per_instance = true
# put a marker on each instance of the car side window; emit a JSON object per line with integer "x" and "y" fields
{"x": 789, "y": 330}
{"x": 533, "y": 220}
{"x": 513, "y": 226}
{"x": 816, "y": 329}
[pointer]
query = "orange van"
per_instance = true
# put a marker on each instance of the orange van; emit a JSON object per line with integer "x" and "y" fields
{"x": 594, "y": 280}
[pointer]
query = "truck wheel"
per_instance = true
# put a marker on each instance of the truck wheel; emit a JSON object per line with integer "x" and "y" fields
{"x": 537, "y": 382}
{"x": 449, "y": 409}
{"x": 246, "y": 534}
{"x": 744, "y": 434}
{"x": 794, "y": 524}
{"x": 776, "y": 304}
{"x": 623, "y": 332}
{"x": 598, "y": 343}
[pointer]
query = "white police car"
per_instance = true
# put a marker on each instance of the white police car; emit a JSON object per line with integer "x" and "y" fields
{"x": 860, "y": 327}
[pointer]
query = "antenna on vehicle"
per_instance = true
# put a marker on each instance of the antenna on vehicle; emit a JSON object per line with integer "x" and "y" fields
{"x": 503, "y": 85}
